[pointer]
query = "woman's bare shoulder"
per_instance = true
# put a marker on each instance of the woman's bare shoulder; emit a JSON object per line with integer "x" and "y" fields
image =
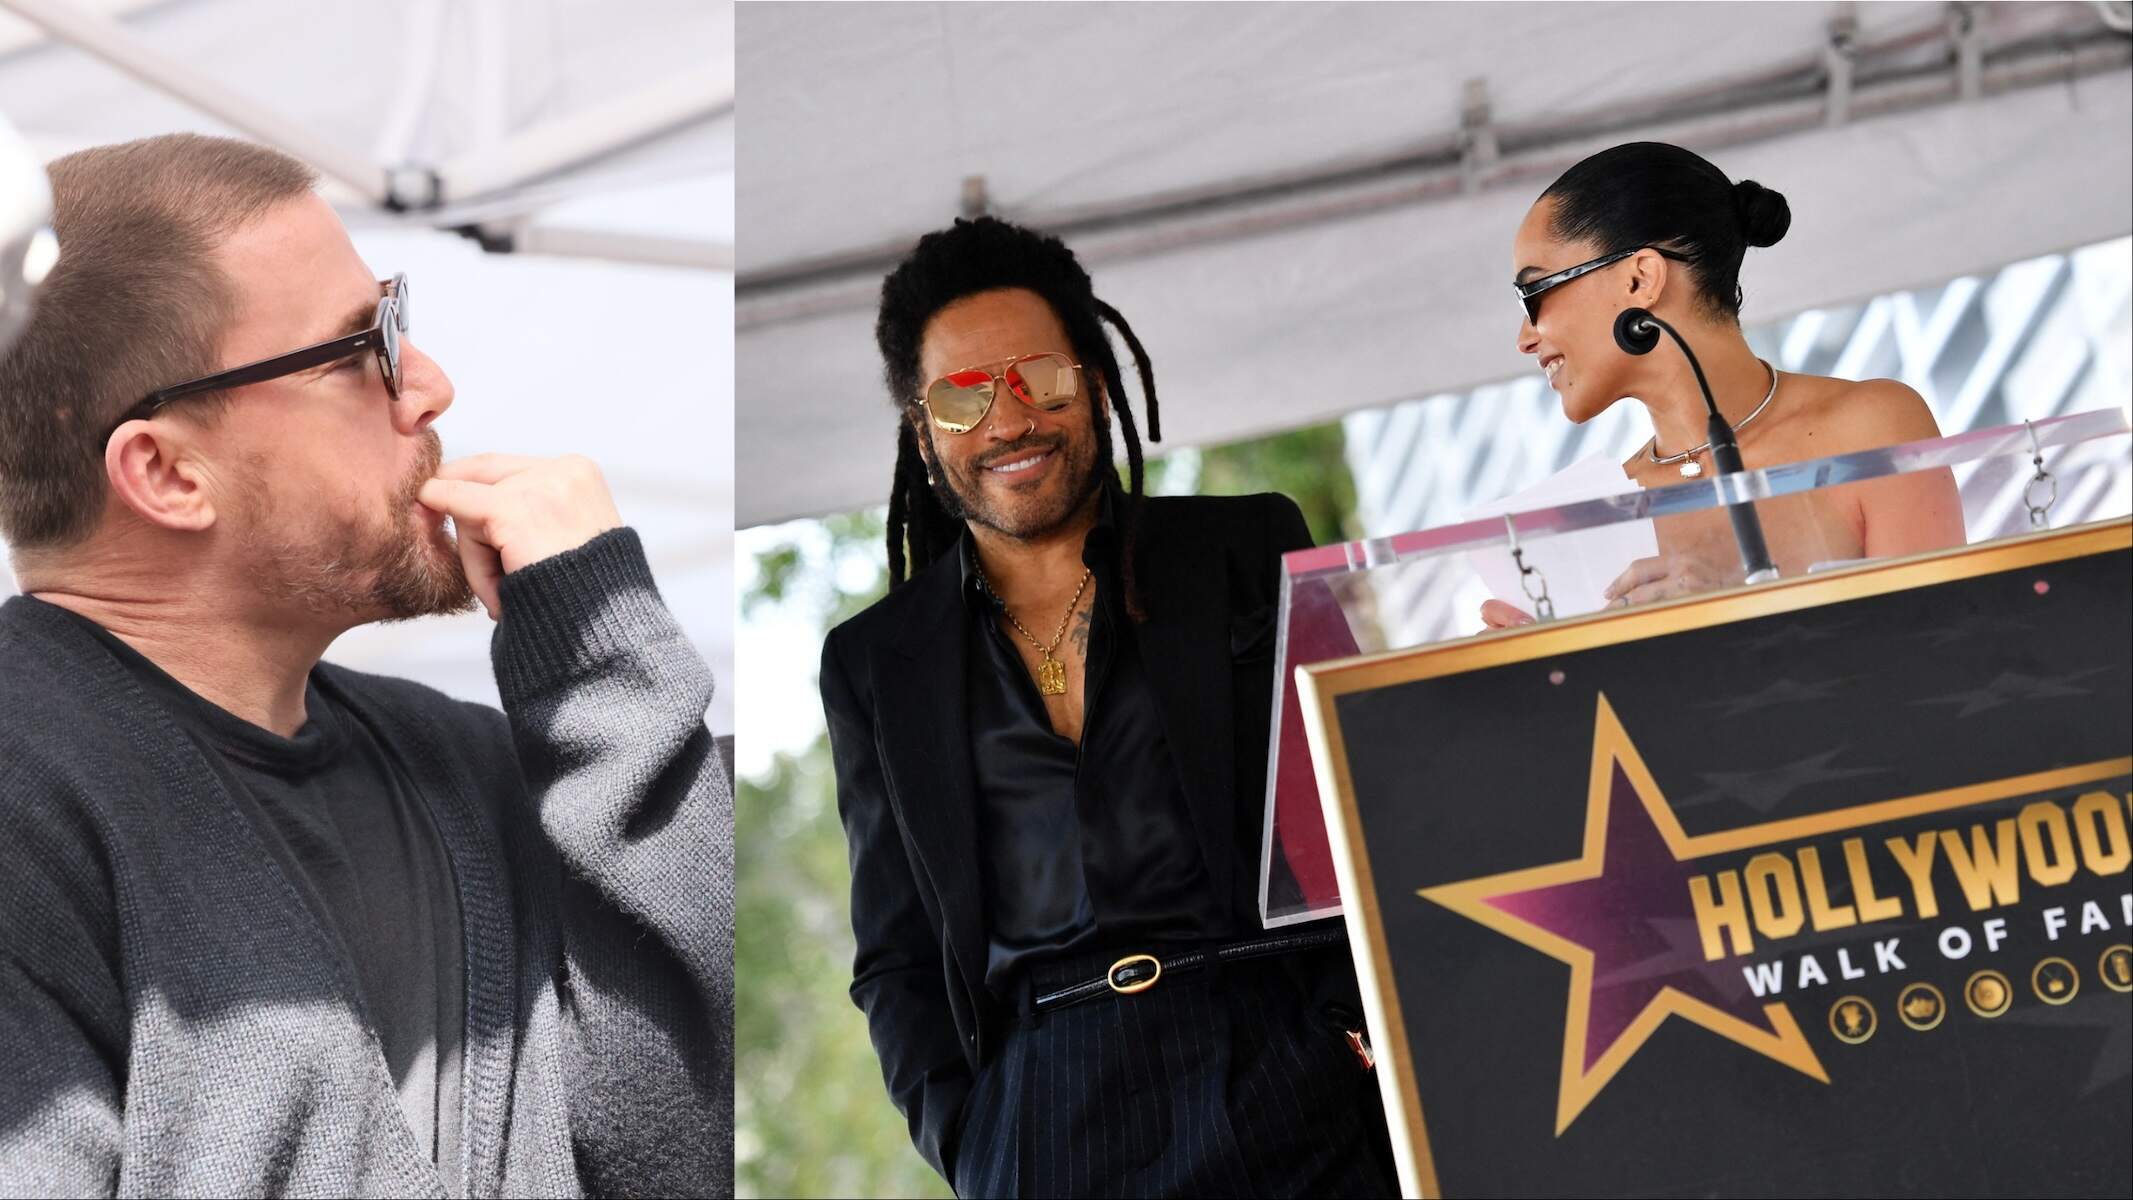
{"x": 1862, "y": 414}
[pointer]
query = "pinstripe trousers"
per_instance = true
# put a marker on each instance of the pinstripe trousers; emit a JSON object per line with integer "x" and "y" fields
{"x": 1216, "y": 1082}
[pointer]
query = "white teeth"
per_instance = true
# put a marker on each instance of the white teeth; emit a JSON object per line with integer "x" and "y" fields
{"x": 1023, "y": 465}
{"x": 1554, "y": 365}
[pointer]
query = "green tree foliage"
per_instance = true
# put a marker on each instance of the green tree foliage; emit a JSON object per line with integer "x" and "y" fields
{"x": 814, "y": 1118}
{"x": 1307, "y": 465}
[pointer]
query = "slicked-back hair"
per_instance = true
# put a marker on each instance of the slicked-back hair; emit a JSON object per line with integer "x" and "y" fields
{"x": 984, "y": 255}
{"x": 1656, "y": 194}
{"x": 135, "y": 303}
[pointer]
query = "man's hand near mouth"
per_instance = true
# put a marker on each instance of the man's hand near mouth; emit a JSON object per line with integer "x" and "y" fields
{"x": 511, "y": 511}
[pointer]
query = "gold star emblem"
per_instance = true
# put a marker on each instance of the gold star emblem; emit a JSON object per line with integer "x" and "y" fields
{"x": 1632, "y": 859}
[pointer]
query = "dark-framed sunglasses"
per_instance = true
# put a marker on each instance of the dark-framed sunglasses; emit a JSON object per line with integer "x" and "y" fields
{"x": 1529, "y": 293}
{"x": 958, "y": 401}
{"x": 382, "y": 338}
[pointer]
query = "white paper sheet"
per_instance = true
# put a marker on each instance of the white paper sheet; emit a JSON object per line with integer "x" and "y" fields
{"x": 1579, "y": 566}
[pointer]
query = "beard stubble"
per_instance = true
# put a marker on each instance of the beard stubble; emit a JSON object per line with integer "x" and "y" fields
{"x": 390, "y": 567}
{"x": 962, "y": 494}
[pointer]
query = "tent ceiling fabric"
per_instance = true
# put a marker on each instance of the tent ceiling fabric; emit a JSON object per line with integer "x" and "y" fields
{"x": 627, "y": 363}
{"x": 871, "y": 145}
{"x": 426, "y": 82}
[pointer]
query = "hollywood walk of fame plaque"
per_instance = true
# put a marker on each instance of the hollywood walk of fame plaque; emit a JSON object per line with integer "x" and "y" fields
{"x": 1693, "y": 899}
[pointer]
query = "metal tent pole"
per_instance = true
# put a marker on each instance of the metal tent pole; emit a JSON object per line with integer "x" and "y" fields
{"x": 583, "y": 136}
{"x": 105, "y": 38}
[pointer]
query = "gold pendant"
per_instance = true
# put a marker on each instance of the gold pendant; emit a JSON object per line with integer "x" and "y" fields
{"x": 1051, "y": 677}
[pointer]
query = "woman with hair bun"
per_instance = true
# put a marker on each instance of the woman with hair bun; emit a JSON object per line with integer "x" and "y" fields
{"x": 1654, "y": 226}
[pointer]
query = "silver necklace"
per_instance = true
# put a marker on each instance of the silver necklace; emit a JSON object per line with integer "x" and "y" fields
{"x": 1691, "y": 468}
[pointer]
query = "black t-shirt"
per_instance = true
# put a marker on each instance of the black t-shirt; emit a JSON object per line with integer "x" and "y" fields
{"x": 336, "y": 810}
{"x": 1081, "y": 846}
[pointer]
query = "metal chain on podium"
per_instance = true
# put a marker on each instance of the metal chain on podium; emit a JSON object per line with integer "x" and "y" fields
{"x": 2039, "y": 514}
{"x": 1543, "y": 607}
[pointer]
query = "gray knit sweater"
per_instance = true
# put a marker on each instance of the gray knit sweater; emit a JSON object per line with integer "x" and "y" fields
{"x": 175, "y": 1021}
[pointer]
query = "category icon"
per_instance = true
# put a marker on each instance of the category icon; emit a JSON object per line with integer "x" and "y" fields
{"x": 2116, "y": 968}
{"x": 1851, "y": 1018}
{"x": 2054, "y": 980}
{"x": 1921, "y": 1006}
{"x": 1988, "y": 993}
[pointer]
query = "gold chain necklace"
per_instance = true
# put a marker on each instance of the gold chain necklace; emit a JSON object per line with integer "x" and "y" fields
{"x": 1051, "y": 673}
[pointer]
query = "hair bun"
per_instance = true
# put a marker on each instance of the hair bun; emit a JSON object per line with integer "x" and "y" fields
{"x": 1764, "y": 215}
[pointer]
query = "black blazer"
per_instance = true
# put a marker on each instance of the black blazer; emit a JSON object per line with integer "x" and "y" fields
{"x": 893, "y": 688}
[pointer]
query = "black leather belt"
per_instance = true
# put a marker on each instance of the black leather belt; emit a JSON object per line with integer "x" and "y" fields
{"x": 1138, "y": 972}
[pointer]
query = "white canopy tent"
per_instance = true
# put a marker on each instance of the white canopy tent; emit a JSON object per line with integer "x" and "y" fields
{"x": 555, "y": 176}
{"x": 477, "y": 115}
{"x": 1306, "y": 209}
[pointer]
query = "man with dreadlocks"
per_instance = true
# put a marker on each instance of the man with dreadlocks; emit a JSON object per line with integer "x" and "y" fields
{"x": 1050, "y": 744}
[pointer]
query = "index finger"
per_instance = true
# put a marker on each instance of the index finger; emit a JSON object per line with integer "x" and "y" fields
{"x": 488, "y": 468}
{"x": 459, "y": 499}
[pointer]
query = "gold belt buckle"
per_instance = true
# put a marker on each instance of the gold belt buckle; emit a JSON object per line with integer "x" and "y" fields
{"x": 1128, "y": 989}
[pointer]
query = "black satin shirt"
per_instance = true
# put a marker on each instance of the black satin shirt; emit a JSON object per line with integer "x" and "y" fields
{"x": 1080, "y": 847}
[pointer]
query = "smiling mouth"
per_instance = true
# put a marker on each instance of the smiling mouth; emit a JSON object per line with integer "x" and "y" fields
{"x": 1551, "y": 366}
{"x": 1020, "y": 465}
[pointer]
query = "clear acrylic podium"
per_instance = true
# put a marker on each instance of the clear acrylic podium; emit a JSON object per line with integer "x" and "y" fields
{"x": 1427, "y": 587}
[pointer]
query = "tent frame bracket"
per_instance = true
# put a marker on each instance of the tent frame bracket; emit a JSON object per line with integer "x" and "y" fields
{"x": 106, "y": 39}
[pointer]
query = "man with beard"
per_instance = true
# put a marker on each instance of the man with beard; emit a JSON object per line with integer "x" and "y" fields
{"x": 1050, "y": 746}
{"x": 267, "y": 925}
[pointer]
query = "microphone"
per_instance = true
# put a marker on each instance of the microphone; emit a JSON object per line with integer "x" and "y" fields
{"x": 1637, "y": 332}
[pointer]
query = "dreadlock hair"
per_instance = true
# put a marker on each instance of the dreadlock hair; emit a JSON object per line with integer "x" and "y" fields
{"x": 983, "y": 255}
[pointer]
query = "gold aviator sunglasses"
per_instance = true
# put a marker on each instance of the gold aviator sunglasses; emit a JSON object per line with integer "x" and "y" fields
{"x": 958, "y": 401}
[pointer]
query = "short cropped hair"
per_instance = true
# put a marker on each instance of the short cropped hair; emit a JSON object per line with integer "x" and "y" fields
{"x": 135, "y": 303}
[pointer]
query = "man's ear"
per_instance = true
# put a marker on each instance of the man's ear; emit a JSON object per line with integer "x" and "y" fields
{"x": 152, "y": 470}
{"x": 919, "y": 438}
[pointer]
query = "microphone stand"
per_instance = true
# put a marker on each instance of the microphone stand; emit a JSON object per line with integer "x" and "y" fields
{"x": 1637, "y": 332}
